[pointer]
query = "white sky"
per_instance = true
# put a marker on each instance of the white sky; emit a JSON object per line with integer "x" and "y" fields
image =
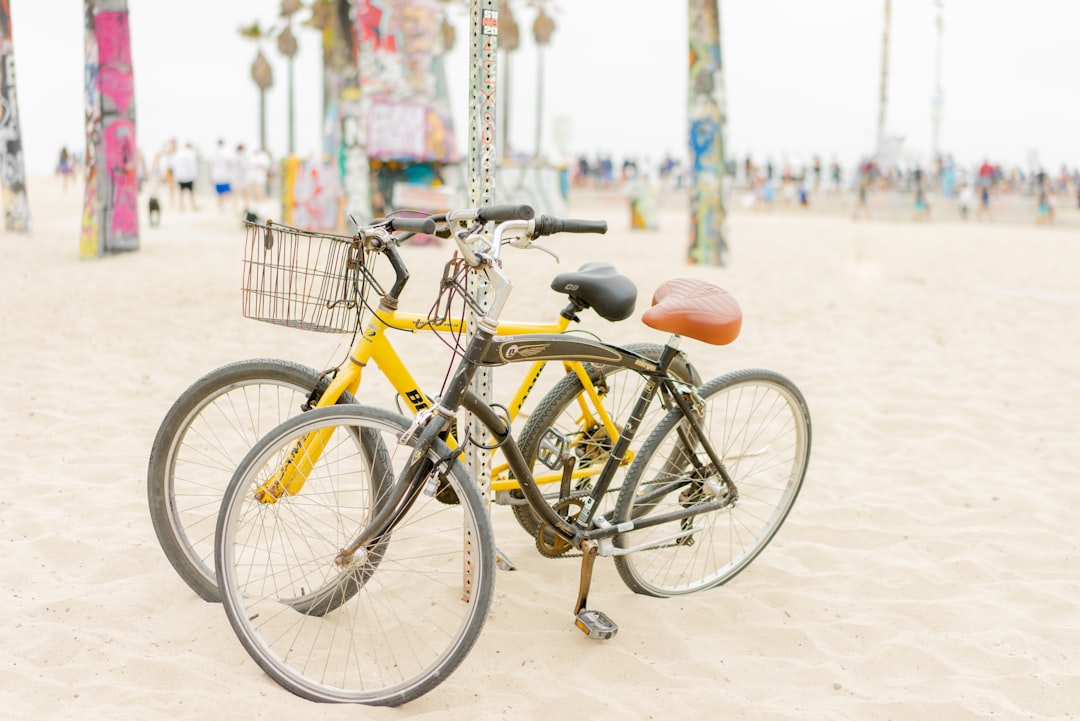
{"x": 802, "y": 77}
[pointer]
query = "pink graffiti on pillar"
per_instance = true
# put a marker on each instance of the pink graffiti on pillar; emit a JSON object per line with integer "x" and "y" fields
{"x": 120, "y": 159}
{"x": 110, "y": 218}
{"x": 315, "y": 196}
{"x": 114, "y": 58}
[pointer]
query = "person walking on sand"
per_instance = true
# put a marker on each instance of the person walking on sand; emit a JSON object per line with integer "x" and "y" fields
{"x": 984, "y": 203}
{"x": 967, "y": 199}
{"x": 256, "y": 177}
{"x": 1045, "y": 207}
{"x": 922, "y": 209}
{"x": 169, "y": 166}
{"x": 862, "y": 199}
{"x": 185, "y": 170}
{"x": 64, "y": 167}
{"x": 222, "y": 167}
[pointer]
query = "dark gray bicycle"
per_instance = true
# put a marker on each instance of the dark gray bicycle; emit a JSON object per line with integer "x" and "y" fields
{"x": 370, "y": 581}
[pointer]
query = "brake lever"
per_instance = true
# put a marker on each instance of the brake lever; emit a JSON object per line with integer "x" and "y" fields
{"x": 546, "y": 249}
{"x": 524, "y": 242}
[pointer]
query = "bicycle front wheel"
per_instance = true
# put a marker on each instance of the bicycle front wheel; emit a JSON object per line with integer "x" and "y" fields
{"x": 198, "y": 446}
{"x": 758, "y": 422}
{"x": 383, "y": 625}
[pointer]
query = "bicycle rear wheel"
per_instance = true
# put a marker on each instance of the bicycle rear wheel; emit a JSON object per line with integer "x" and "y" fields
{"x": 383, "y": 627}
{"x": 201, "y": 440}
{"x": 758, "y": 422}
{"x": 565, "y": 421}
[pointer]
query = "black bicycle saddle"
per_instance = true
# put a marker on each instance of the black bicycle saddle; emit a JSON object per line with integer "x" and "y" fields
{"x": 599, "y": 286}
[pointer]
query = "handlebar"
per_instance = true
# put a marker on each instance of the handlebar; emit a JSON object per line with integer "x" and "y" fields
{"x": 516, "y": 225}
{"x": 502, "y": 213}
{"x": 425, "y": 226}
{"x": 546, "y": 225}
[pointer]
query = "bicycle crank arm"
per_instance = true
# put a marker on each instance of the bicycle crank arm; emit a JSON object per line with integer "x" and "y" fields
{"x": 593, "y": 623}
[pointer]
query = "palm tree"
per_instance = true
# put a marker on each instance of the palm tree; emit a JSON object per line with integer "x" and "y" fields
{"x": 262, "y": 74}
{"x": 509, "y": 41}
{"x": 288, "y": 47}
{"x": 543, "y": 28}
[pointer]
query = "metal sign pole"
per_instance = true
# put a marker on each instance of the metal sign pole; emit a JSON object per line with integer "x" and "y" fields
{"x": 483, "y": 66}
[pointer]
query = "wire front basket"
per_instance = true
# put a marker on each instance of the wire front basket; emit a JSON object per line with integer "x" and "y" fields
{"x": 302, "y": 279}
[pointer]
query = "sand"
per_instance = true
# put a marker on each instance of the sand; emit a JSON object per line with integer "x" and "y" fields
{"x": 929, "y": 570}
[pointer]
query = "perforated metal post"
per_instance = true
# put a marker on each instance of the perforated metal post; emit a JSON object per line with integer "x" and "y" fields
{"x": 483, "y": 66}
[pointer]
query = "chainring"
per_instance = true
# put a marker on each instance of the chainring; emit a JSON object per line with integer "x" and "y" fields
{"x": 548, "y": 542}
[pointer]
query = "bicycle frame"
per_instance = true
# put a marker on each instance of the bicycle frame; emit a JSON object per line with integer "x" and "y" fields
{"x": 373, "y": 344}
{"x": 488, "y": 350}
{"x": 485, "y": 349}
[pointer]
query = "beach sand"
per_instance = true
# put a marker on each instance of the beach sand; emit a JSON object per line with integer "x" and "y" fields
{"x": 929, "y": 570}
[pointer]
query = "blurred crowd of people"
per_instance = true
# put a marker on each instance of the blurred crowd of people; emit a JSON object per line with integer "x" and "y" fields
{"x": 602, "y": 172}
{"x": 236, "y": 174}
{"x": 976, "y": 190}
{"x": 971, "y": 192}
{"x": 241, "y": 177}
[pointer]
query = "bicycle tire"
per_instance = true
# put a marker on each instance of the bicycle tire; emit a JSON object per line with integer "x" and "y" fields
{"x": 760, "y": 425}
{"x": 556, "y": 412}
{"x": 406, "y": 619}
{"x": 202, "y": 438}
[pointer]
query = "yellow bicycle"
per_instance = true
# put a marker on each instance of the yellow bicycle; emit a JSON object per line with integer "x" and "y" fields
{"x": 321, "y": 282}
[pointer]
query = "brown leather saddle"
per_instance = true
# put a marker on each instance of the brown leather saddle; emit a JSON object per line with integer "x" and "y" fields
{"x": 695, "y": 309}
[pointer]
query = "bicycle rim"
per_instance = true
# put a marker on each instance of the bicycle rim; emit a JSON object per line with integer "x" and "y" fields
{"x": 758, "y": 422}
{"x": 201, "y": 441}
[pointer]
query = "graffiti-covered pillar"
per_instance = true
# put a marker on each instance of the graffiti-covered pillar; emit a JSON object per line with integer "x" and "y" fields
{"x": 353, "y": 161}
{"x": 110, "y": 213}
{"x": 12, "y": 174}
{"x": 343, "y": 119}
{"x": 707, "y": 115}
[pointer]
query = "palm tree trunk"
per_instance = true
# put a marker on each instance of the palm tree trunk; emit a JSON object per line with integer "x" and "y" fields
{"x": 262, "y": 119}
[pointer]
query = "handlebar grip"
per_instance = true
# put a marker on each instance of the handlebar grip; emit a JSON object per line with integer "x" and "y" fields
{"x": 499, "y": 213}
{"x": 412, "y": 225}
{"x": 546, "y": 225}
{"x": 442, "y": 227}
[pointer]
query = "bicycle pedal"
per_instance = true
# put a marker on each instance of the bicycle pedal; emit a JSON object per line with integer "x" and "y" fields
{"x": 596, "y": 624}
